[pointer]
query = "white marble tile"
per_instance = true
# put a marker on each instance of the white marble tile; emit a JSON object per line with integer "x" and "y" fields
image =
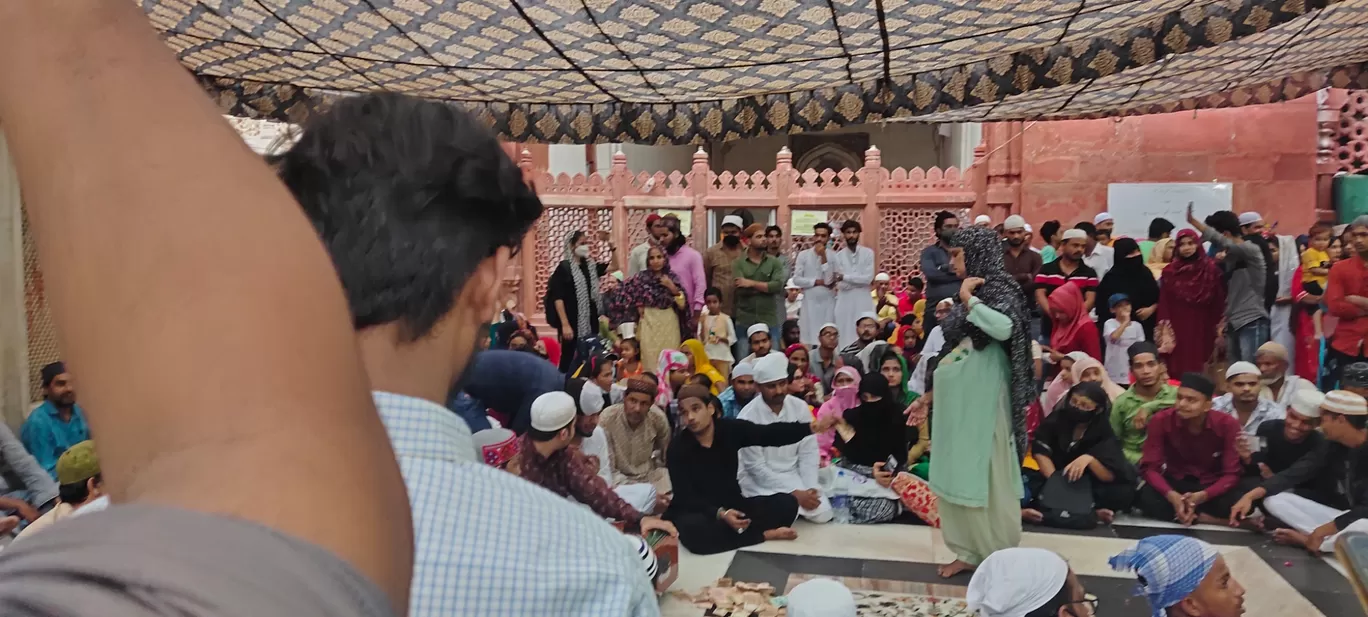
{"x": 887, "y": 542}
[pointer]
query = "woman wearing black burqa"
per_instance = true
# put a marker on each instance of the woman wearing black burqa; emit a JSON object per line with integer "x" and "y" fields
{"x": 1077, "y": 442}
{"x": 1130, "y": 276}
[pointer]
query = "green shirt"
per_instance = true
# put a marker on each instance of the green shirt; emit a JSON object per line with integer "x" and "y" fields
{"x": 1047, "y": 254}
{"x": 1123, "y": 412}
{"x": 753, "y": 307}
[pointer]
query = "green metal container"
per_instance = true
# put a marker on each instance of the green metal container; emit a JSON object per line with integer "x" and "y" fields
{"x": 1351, "y": 197}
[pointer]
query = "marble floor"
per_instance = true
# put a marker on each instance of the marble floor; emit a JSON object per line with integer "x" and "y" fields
{"x": 891, "y": 569}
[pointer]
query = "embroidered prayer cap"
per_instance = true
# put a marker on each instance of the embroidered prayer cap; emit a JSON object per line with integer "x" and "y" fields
{"x": 1274, "y": 349}
{"x": 1344, "y": 403}
{"x": 1355, "y": 375}
{"x": 982, "y": 219}
{"x": 744, "y": 369}
{"x": 1074, "y": 234}
{"x": 78, "y": 464}
{"x": 497, "y": 445}
{"x": 642, "y": 386}
{"x": 1249, "y": 218}
{"x": 882, "y": 277}
{"x": 1169, "y": 568}
{"x": 694, "y": 391}
{"x": 1198, "y": 382}
{"x": 1242, "y": 368}
{"x": 821, "y": 597}
{"x": 828, "y": 325}
{"x": 1013, "y": 582}
{"x": 867, "y": 315}
{"x": 771, "y": 368}
{"x": 1014, "y": 222}
{"x": 756, "y": 329}
{"x": 733, "y": 220}
{"x": 1102, "y": 217}
{"x": 553, "y": 411}
{"x": 1307, "y": 402}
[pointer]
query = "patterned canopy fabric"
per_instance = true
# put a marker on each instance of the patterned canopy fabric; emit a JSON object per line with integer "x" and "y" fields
{"x": 692, "y": 71}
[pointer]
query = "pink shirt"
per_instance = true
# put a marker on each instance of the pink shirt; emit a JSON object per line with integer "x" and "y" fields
{"x": 688, "y": 265}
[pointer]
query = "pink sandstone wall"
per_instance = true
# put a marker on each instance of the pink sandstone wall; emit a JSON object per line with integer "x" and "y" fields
{"x": 1268, "y": 152}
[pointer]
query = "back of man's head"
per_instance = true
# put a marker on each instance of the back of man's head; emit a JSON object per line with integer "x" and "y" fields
{"x": 1224, "y": 221}
{"x": 411, "y": 198}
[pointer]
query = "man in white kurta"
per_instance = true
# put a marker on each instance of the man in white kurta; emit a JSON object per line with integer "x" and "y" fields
{"x": 788, "y": 469}
{"x": 813, "y": 274}
{"x": 854, "y": 265}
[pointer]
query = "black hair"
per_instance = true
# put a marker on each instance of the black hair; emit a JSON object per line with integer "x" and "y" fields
{"x": 942, "y": 217}
{"x": 915, "y": 282}
{"x": 1224, "y": 221}
{"x": 409, "y": 196}
{"x": 77, "y": 492}
{"x": 1051, "y": 607}
{"x": 712, "y": 291}
{"x": 652, "y": 376}
{"x": 823, "y": 225}
{"x": 1358, "y": 422}
{"x": 851, "y": 223}
{"x": 701, "y": 379}
{"x": 774, "y": 228}
{"x": 1049, "y": 230}
{"x": 1088, "y": 228}
{"x": 671, "y": 223}
{"x": 1159, "y": 227}
{"x": 907, "y": 319}
{"x": 792, "y": 371}
{"x": 538, "y": 435}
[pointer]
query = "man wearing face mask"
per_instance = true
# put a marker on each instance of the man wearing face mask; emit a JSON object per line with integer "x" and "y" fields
{"x": 815, "y": 273}
{"x": 854, "y": 273}
{"x": 942, "y": 280}
{"x": 717, "y": 262}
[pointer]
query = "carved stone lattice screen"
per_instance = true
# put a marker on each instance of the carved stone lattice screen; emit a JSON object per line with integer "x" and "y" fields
{"x": 637, "y": 232}
{"x": 835, "y": 217}
{"x": 903, "y": 232}
{"x": 554, "y": 226}
{"x": 1351, "y": 139}
{"x": 42, "y": 335}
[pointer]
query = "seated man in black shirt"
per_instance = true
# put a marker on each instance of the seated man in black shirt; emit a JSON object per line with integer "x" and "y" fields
{"x": 1290, "y": 456}
{"x": 707, "y": 508}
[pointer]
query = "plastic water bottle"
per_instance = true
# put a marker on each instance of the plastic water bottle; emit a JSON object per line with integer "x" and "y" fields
{"x": 840, "y": 499}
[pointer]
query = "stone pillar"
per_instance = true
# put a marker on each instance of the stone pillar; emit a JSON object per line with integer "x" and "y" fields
{"x": 701, "y": 237}
{"x": 785, "y": 177}
{"x": 1003, "y": 170}
{"x": 527, "y": 255}
{"x": 620, "y": 182}
{"x": 1328, "y": 104}
{"x": 871, "y": 180}
{"x": 14, "y": 397}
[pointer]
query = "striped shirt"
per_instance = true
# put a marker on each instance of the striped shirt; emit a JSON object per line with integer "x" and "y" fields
{"x": 1052, "y": 277}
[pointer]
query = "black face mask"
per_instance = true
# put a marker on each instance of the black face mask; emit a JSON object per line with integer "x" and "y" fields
{"x": 1076, "y": 415}
{"x": 731, "y": 242}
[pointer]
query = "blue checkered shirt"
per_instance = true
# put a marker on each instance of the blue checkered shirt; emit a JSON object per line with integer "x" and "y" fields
{"x": 490, "y": 544}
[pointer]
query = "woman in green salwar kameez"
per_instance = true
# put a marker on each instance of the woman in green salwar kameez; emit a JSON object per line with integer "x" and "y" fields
{"x": 983, "y": 385}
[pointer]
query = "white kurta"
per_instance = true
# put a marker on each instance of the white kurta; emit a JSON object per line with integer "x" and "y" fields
{"x": 819, "y": 301}
{"x": 853, "y": 297}
{"x": 641, "y": 496}
{"x": 767, "y": 471}
{"x": 1280, "y": 315}
{"x": 1291, "y": 385}
{"x": 1305, "y": 516}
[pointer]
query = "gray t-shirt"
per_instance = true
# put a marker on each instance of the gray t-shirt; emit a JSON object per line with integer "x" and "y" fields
{"x": 136, "y": 560}
{"x": 1245, "y": 287}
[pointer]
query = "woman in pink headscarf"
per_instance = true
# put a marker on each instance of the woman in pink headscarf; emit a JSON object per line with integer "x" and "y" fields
{"x": 672, "y": 372}
{"x": 845, "y": 394}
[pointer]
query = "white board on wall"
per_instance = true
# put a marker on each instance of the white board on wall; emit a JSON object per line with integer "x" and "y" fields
{"x": 1135, "y": 205}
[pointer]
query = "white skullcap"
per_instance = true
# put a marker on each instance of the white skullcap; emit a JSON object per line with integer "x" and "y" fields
{"x": 591, "y": 399}
{"x": 732, "y": 219}
{"x": 744, "y": 369}
{"x": 755, "y": 329}
{"x": 982, "y": 219}
{"x": 1013, "y": 582}
{"x": 821, "y": 597}
{"x": 791, "y": 285}
{"x": 882, "y": 277}
{"x": 1345, "y": 403}
{"x": 828, "y": 325}
{"x": 1014, "y": 222}
{"x": 1074, "y": 234}
{"x": 866, "y": 315}
{"x": 1102, "y": 217}
{"x": 771, "y": 368}
{"x": 1028, "y": 229}
{"x": 1249, "y": 218}
{"x": 1242, "y": 368}
{"x": 1307, "y": 402}
{"x": 945, "y": 302}
{"x": 553, "y": 411}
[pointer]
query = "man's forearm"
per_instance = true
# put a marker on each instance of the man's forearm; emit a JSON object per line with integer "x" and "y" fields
{"x": 175, "y": 263}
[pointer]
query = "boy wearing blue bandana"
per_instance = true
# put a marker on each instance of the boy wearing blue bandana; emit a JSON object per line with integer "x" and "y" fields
{"x": 1182, "y": 577}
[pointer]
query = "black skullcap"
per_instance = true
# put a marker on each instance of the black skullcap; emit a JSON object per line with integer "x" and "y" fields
{"x": 1198, "y": 382}
{"x": 1142, "y": 347}
{"x": 51, "y": 371}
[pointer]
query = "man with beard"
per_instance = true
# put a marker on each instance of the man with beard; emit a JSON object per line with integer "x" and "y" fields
{"x": 758, "y": 337}
{"x": 1247, "y": 324}
{"x": 422, "y": 275}
{"x": 866, "y": 331}
{"x": 637, "y": 434}
{"x": 1293, "y": 458}
{"x": 1314, "y": 525}
{"x": 592, "y": 441}
{"x": 1148, "y": 394}
{"x": 741, "y": 392}
{"x": 1070, "y": 269}
{"x": 636, "y": 259}
{"x": 814, "y": 273}
{"x": 854, "y": 272}
{"x": 774, "y": 244}
{"x": 546, "y": 459}
{"x": 58, "y": 423}
{"x": 685, "y": 262}
{"x": 759, "y": 281}
{"x": 942, "y": 280}
{"x": 718, "y": 260}
{"x": 1346, "y": 297}
{"x": 1023, "y": 264}
{"x": 1277, "y": 384}
{"x": 708, "y": 506}
{"x": 787, "y": 469}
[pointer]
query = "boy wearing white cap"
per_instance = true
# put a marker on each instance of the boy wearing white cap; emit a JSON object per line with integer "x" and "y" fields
{"x": 1315, "y": 525}
{"x": 1291, "y": 456}
{"x": 718, "y": 260}
{"x": 793, "y": 299}
{"x": 787, "y": 469}
{"x": 885, "y": 301}
{"x": 545, "y": 458}
{"x": 814, "y": 272}
{"x": 1242, "y": 400}
{"x": 1105, "y": 224}
{"x": 758, "y": 338}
